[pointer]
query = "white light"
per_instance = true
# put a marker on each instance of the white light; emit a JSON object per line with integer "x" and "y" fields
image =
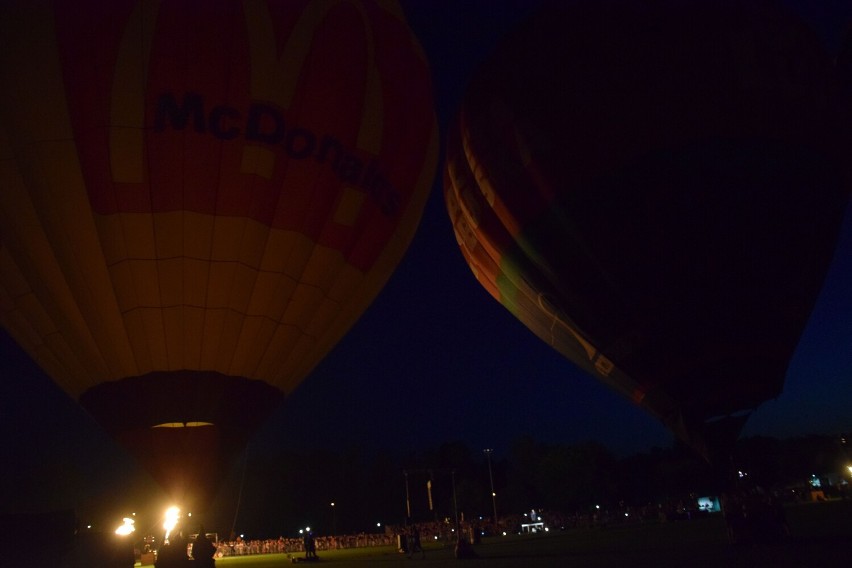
{"x": 171, "y": 519}
{"x": 597, "y": 506}
{"x": 378, "y": 524}
{"x": 126, "y": 528}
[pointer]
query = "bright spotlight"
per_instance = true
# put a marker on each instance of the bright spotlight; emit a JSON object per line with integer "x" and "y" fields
{"x": 126, "y": 528}
{"x": 171, "y": 519}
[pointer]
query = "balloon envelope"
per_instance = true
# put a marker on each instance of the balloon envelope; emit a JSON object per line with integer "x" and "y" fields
{"x": 198, "y": 200}
{"x": 654, "y": 189}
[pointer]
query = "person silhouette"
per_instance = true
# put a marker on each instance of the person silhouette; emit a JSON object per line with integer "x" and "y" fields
{"x": 310, "y": 546}
{"x": 173, "y": 553}
{"x": 415, "y": 545}
{"x": 203, "y": 550}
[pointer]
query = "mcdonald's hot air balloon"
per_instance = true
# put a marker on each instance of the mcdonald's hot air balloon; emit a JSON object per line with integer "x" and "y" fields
{"x": 655, "y": 189}
{"x": 197, "y": 200}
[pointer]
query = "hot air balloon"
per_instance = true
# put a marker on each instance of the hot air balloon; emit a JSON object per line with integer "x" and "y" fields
{"x": 197, "y": 200}
{"x": 655, "y": 189}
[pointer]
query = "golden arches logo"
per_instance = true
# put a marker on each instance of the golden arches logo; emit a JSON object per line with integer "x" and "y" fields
{"x": 274, "y": 79}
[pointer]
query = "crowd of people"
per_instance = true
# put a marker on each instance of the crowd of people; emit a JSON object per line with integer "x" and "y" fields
{"x": 409, "y": 539}
{"x": 244, "y": 547}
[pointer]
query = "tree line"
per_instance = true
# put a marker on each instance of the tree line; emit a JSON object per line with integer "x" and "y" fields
{"x": 280, "y": 492}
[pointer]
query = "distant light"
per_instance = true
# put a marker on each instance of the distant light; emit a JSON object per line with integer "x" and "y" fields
{"x": 88, "y": 526}
{"x": 597, "y": 506}
{"x": 308, "y": 529}
{"x": 126, "y": 528}
{"x": 626, "y": 514}
{"x": 504, "y": 534}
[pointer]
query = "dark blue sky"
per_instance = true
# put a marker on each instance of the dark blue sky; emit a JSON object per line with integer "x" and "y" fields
{"x": 436, "y": 358}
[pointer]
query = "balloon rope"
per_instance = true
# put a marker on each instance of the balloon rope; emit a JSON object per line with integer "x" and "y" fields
{"x": 240, "y": 494}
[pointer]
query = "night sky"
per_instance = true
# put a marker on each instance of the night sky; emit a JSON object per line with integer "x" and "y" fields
{"x": 454, "y": 364}
{"x": 435, "y": 358}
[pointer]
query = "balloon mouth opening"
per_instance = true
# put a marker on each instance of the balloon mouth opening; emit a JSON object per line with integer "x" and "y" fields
{"x": 182, "y": 425}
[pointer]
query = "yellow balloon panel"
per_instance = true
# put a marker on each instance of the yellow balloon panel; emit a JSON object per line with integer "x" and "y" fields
{"x": 174, "y": 203}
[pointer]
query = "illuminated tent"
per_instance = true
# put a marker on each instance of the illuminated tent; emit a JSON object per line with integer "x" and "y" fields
{"x": 198, "y": 199}
{"x": 655, "y": 189}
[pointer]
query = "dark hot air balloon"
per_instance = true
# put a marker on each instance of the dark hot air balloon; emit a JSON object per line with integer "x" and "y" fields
{"x": 655, "y": 189}
{"x": 197, "y": 200}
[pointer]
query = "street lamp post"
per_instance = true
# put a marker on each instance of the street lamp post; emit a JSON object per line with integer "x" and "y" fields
{"x": 456, "y": 506}
{"x": 333, "y": 519}
{"x": 407, "y": 500}
{"x": 491, "y": 478}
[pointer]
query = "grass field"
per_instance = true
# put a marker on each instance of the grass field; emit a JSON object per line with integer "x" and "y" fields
{"x": 821, "y": 535}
